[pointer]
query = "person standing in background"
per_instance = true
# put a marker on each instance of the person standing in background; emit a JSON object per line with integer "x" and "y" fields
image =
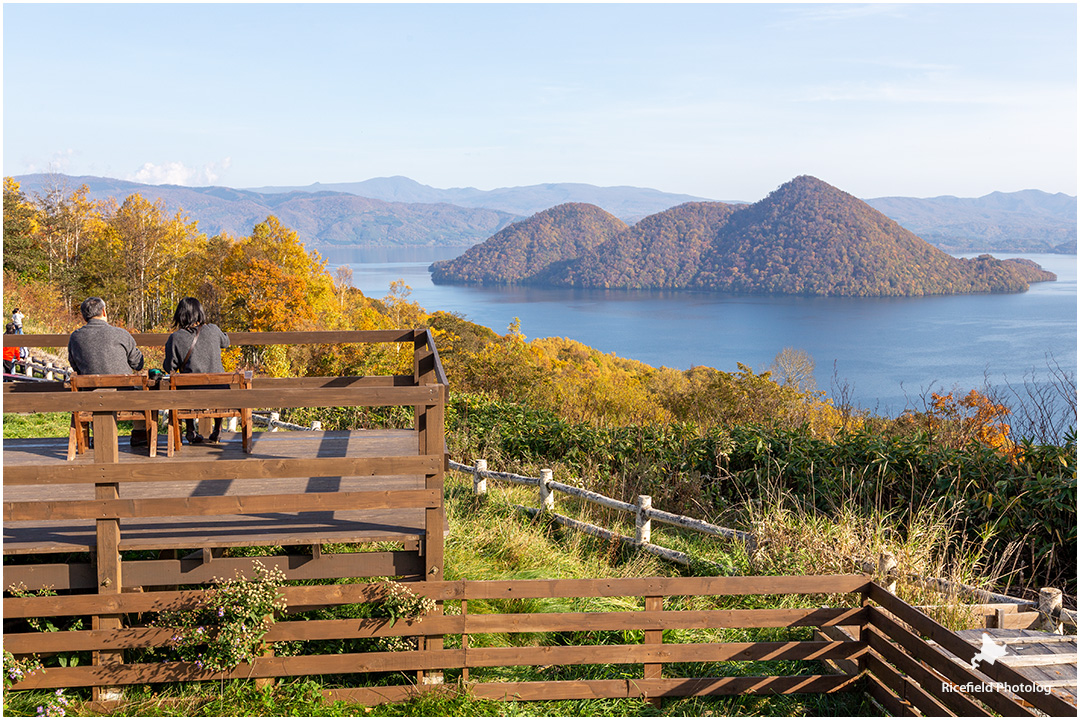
{"x": 17, "y": 320}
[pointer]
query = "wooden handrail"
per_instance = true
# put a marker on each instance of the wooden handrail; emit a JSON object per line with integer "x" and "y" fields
{"x": 248, "y": 468}
{"x": 316, "y": 595}
{"x": 33, "y": 402}
{"x": 315, "y": 337}
{"x": 85, "y": 640}
{"x": 999, "y": 672}
{"x": 322, "y": 337}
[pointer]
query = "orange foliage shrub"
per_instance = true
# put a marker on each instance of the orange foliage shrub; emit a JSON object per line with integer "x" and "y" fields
{"x": 973, "y": 418}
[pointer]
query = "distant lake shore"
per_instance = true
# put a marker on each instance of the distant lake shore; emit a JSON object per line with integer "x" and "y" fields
{"x": 888, "y": 353}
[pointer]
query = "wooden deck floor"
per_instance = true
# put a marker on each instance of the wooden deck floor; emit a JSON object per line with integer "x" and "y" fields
{"x": 1046, "y": 659}
{"x": 278, "y": 528}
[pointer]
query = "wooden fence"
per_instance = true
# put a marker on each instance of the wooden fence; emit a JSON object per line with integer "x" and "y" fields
{"x": 998, "y": 611}
{"x": 176, "y": 505}
{"x": 886, "y": 644}
{"x": 30, "y": 369}
{"x": 643, "y": 511}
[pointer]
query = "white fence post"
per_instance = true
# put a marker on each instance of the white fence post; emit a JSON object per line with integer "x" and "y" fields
{"x": 479, "y": 482}
{"x": 316, "y": 425}
{"x": 547, "y": 495}
{"x": 48, "y": 371}
{"x": 1050, "y": 604}
{"x": 230, "y": 424}
{"x": 28, "y": 370}
{"x": 274, "y": 419}
{"x": 642, "y": 521}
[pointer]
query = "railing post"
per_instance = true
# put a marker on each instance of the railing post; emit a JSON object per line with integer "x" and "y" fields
{"x": 430, "y": 431}
{"x": 547, "y": 496}
{"x": 1050, "y": 603}
{"x": 654, "y": 671}
{"x": 274, "y": 419}
{"x": 48, "y": 371}
{"x": 479, "y": 482}
{"x": 642, "y": 521}
{"x": 107, "y": 546}
{"x": 864, "y": 627}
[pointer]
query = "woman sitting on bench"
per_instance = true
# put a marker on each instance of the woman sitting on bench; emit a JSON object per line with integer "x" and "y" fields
{"x": 195, "y": 347}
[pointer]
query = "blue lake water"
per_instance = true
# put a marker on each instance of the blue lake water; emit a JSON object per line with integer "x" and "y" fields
{"x": 890, "y": 352}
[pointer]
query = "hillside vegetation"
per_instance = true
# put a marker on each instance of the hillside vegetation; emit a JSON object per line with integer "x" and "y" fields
{"x": 806, "y": 238}
{"x": 525, "y": 248}
{"x": 703, "y": 441}
{"x": 324, "y": 218}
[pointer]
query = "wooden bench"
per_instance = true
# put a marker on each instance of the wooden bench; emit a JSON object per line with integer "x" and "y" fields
{"x": 209, "y": 381}
{"x": 79, "y": 436}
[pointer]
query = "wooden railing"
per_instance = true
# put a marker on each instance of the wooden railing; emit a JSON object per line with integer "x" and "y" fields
{"x": 885, "y": 645}
{"x": 425, "y": 390}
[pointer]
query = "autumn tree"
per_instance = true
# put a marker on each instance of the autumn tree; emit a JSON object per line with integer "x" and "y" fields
{"x": 268, "y": 282}
{"x": 67, "y": 220}
{"x": 973, "y": 418}
{"x": 22, "y": 250}
{"x": 795, "y": 368}
{"x": 272, "y": 283}
{"x": 343, "y": 276}
{"x": 141, "y": 260}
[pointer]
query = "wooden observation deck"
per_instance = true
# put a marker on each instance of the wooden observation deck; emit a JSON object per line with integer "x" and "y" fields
{"x": 293, "y": 494}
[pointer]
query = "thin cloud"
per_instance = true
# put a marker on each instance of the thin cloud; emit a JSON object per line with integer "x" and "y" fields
{"x": 177, "y": 173}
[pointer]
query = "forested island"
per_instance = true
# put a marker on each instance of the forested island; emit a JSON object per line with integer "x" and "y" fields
{"x": 805, "y": 238}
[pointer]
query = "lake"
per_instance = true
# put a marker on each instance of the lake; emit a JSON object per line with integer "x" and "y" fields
{"x": 890, "y": 352}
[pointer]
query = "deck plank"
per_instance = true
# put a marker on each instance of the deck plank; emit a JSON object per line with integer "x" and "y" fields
{"x": 1023, "y": 644}
{"x": 278, "y": 528}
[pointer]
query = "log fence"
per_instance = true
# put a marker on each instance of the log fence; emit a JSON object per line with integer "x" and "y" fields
{"x": 643, "y": 511}
{"x": 999, "y": 610}
{"x": 29, "y": 369}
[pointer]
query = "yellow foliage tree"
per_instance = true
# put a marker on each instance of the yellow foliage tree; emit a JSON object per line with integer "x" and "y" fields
{"x": 138, "y": 258}
{"x": 270, "y": 282}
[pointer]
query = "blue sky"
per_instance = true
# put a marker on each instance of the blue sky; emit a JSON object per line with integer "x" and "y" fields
{"x": 724, "y": 101}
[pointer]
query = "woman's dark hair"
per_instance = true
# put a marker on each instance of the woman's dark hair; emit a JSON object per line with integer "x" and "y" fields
{"x": 189, "y": 314}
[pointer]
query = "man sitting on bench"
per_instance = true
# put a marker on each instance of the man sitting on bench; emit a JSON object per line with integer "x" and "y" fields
{"x": 98, "y": 348}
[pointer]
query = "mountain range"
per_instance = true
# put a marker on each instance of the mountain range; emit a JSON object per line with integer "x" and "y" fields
{"x": 397, "y": 211}
{"x": 805, "y": 238}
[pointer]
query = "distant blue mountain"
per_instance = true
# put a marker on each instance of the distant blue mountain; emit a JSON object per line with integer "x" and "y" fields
{"x": 1024, "y": 221}
{"x": 323, "y": 220}
{"x": 397, "y": 211}
{"x": 629, "y": 204}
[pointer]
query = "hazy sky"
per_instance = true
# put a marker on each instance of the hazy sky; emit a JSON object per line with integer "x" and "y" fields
{"x": 723, "y": 101}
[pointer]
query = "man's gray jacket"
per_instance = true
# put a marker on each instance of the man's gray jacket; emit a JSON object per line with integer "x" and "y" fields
{"x": 98, "y": 348}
